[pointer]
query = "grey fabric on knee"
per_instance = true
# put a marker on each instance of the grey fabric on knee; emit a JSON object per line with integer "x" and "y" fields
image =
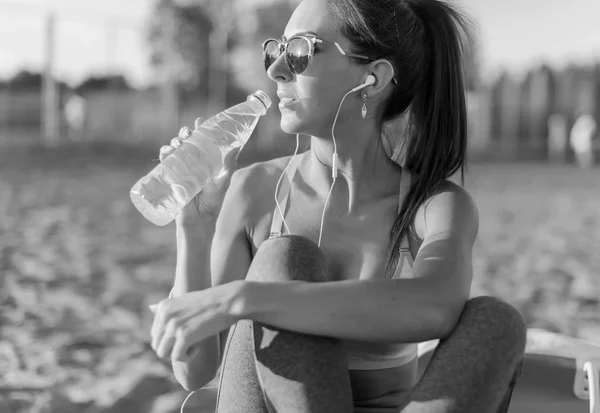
{"x": 269, "y": 370}
{"x": 272, "y": 370}
{"x": 471, "y": 370}
{"x": 239, "y": 388}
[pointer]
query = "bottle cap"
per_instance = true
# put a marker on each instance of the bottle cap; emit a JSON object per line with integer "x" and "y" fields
{"x": 263, "y": 98}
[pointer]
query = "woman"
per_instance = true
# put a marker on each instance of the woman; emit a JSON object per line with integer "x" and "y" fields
{"x": 353, "y": 332}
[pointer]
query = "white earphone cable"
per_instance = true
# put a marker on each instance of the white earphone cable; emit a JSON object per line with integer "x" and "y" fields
{"x": 186, "y": 399}
{"x": 333, "y": 170}
{"x": 279, "y": 183}
{"x": 333, "y": 166}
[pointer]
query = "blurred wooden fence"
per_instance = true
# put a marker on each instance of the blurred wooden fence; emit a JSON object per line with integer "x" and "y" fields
{"x": 508, "y": 118}
{"x": 520, "y": 109}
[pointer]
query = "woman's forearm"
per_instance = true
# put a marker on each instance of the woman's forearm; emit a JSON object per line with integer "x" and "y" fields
{"x": 406, "y": 310}
{"x": 193, "y": 274}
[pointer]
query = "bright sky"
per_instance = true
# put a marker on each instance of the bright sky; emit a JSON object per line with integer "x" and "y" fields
{"x": 514, "y": 34}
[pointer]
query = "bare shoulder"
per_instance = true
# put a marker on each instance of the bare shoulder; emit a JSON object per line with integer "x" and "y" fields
{"x": 255, "y": 180}
{"x": 253, "y": 187}
{"x": 449, "y": 211}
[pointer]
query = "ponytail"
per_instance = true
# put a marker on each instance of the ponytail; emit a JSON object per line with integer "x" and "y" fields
{"x": 437, "y": 119}
{"x": 423, "y": 39}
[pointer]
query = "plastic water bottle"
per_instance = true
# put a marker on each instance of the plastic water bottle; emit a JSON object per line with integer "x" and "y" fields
{"x": 172, "y": 184}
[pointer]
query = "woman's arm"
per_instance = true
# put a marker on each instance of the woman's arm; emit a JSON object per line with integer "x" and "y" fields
{"x": 202, "y": 264}
{"x": 192, "y": 274}
{"x": 404, "y": 310}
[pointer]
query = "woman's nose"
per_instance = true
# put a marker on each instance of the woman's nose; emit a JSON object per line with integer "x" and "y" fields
{"x": 279, "y": 71}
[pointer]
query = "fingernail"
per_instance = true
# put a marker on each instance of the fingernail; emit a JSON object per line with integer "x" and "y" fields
{"x": 153, "y": 307}
{"x": 185, "y": 132}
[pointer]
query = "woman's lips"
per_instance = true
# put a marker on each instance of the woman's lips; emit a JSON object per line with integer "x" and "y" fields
{"x": 286, "y": 102}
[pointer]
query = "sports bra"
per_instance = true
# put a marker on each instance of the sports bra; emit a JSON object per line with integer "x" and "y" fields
{"x": 363, "y": 355}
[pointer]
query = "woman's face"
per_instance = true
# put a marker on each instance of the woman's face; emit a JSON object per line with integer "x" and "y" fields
{"x": 317, "y": 92}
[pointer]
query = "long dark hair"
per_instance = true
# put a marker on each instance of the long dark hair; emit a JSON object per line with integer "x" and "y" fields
{"x": 424, "y": 40}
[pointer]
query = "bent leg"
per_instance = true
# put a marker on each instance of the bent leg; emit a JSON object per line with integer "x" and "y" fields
{"x": 472, "y": 369}
{"x": 290, "y": 372}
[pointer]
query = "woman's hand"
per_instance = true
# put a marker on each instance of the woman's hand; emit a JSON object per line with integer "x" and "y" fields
{"x": 181, "y": 322}
{"x": 207, "y": 204}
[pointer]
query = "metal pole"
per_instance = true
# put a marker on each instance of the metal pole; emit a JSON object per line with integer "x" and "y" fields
{"x": 219, "y": 62}
{"x": 49, "y": 114}
{"x": 171, "y": 85}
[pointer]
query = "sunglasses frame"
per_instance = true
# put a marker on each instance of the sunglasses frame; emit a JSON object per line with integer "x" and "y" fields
{"x": 312, "y": 41}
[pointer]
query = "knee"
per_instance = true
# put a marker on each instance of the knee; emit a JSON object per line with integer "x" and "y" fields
{"x": 496, "y": 313}
{"x": 288, "y": 258}
{"x": 496, "y": 321}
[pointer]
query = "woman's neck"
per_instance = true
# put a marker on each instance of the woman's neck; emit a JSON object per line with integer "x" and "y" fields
{"x": 365, "y": 172}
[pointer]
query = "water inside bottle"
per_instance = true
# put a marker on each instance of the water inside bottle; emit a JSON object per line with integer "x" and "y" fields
{"x": 170, "y": 187}
{"x": 231, "y": 129}
{"x": 162, "y": 194}
{"x": 156, "y": 198}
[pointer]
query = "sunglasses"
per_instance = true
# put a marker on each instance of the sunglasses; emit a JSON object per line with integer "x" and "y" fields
{"x": 299, "y": 50}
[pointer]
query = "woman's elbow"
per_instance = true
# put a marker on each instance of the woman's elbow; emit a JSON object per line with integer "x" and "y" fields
{"x": 447, "y": 318}
{"x": 192, "y": 379}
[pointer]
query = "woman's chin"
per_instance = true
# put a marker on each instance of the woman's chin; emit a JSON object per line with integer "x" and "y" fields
{"x": 299, "y": 122}
{"x": 292, "y": 125}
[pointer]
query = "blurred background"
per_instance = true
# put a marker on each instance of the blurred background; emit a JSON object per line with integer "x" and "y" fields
{"x": 90, "y": 89}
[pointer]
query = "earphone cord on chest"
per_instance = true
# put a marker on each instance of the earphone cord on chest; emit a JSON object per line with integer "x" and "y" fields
{"x": 290, "y": 183}
{"x": 333, "y": 175}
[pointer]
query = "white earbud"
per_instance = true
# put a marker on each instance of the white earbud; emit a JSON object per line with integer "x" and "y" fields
{"x": 370, "y": 81}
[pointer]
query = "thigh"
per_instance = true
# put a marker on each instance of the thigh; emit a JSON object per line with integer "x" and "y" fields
{"x": 472, "y": 369}
{"x": 302, "y": 373}
{"x": 239, "y": 387}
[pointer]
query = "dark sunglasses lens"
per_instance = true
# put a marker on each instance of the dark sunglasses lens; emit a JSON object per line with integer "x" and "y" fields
{"x": 271, "y": 53}
{"x": 298, "y": 54}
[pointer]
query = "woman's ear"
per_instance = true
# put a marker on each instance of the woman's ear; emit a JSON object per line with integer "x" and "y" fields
{"x": 383, "y": 71}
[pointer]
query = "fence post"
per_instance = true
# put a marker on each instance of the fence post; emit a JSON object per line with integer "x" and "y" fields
{"x": 50, "y": 110}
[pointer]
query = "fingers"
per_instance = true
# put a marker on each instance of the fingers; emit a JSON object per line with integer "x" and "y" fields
{"x": 175, "y": 142}
{"x": 165, "y": 151}
{"x": 158, "y": 326}
{"x": 167, "y": 340}
{"x": 168, "y": 333}
{"x": 221, "y": 181}
{"x": 184, "y": 133}
{"x": 231, "y": 159}
{"x": 173, "y": 342}
{"x": 181, "y": 346}
{"x": 164, "y": 328}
